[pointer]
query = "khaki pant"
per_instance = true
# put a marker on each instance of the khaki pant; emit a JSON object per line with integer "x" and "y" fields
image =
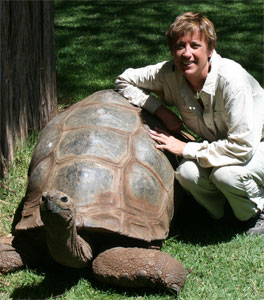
{"x": 241, "y": 185}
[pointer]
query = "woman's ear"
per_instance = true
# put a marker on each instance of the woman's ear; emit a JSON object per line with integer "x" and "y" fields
{"x": 210, "y": 53}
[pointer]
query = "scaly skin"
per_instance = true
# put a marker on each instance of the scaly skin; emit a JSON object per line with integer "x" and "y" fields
{"x": 139, "y": 268}
{"x": 10, "y": 259}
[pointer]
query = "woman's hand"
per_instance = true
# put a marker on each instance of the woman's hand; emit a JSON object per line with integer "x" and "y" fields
{"x": 169, "y": 119}
{"x": 167, "y": 142}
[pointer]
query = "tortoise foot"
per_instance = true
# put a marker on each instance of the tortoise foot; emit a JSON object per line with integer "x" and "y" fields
{"x": 10, "y": 259}
{"x": 139, "y": 268}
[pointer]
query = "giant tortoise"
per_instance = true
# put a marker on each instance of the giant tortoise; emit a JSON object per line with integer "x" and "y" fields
{"x": 99, "y": 194}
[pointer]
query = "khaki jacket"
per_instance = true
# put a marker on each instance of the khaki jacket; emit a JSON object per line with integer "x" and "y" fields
{"x": 231, "y": 122}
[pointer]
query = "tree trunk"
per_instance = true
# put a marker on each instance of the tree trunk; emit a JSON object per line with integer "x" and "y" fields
{"x": 27, "y": 72}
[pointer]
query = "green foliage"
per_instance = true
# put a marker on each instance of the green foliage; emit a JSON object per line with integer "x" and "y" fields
{"x": 96, "y": 41}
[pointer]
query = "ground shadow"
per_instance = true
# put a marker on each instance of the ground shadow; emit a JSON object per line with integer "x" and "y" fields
{"x": 57, "y": 281}
{"x": 192, "y": 223}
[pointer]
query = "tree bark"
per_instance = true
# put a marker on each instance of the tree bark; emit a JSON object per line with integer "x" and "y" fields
{"x": 27, "y": 72}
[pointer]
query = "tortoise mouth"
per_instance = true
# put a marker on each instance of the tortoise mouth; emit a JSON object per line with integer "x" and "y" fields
{"x": 50, "y": 206}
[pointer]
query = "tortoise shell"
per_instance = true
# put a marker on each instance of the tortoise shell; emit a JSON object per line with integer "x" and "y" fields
{"x": 100, "y": 154}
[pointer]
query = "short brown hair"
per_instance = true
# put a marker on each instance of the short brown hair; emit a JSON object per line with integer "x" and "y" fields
{"x": 190, "y": 22}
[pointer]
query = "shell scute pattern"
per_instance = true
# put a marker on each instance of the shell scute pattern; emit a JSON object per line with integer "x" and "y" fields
{"x": 99, "y": 153}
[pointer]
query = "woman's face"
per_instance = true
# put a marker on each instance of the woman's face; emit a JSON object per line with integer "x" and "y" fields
{"x": 191, "y": 56}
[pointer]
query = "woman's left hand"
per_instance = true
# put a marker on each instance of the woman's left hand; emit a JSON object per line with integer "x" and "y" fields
{"x": 167, "y": 141}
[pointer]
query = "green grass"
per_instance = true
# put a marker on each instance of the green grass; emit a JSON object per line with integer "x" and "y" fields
{"x": 13, "y": 187}
{"x": 96, "y": 41}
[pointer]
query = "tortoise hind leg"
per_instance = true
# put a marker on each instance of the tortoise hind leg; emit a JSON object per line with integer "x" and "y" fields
{"x": 10, "y": 259}
{"x": 139, "y": 268}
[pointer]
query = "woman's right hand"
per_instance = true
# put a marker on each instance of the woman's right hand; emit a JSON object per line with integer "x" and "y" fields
{"x": 172, "y": 122}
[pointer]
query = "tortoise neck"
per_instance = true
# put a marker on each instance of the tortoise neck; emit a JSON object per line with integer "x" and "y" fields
{"x": 67, "y": 247}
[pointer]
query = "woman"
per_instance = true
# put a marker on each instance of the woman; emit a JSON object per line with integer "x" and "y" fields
{"x": 220, "y": 102}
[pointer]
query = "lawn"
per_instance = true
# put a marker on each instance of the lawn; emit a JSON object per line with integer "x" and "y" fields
{"x": 95, "y": 42}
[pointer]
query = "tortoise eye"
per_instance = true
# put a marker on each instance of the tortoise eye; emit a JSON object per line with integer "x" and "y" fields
{"x": 64, "y": 199}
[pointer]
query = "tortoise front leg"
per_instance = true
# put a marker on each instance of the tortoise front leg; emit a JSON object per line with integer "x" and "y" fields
{"x": 138, "y": 267}
{"x": 69, "y": 249}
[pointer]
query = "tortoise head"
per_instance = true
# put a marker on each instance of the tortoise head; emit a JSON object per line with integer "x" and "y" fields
{"x": 56, "y": 205}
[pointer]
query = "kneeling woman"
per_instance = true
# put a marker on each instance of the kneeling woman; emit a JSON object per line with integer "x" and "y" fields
{"x": 220, "y": 102}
